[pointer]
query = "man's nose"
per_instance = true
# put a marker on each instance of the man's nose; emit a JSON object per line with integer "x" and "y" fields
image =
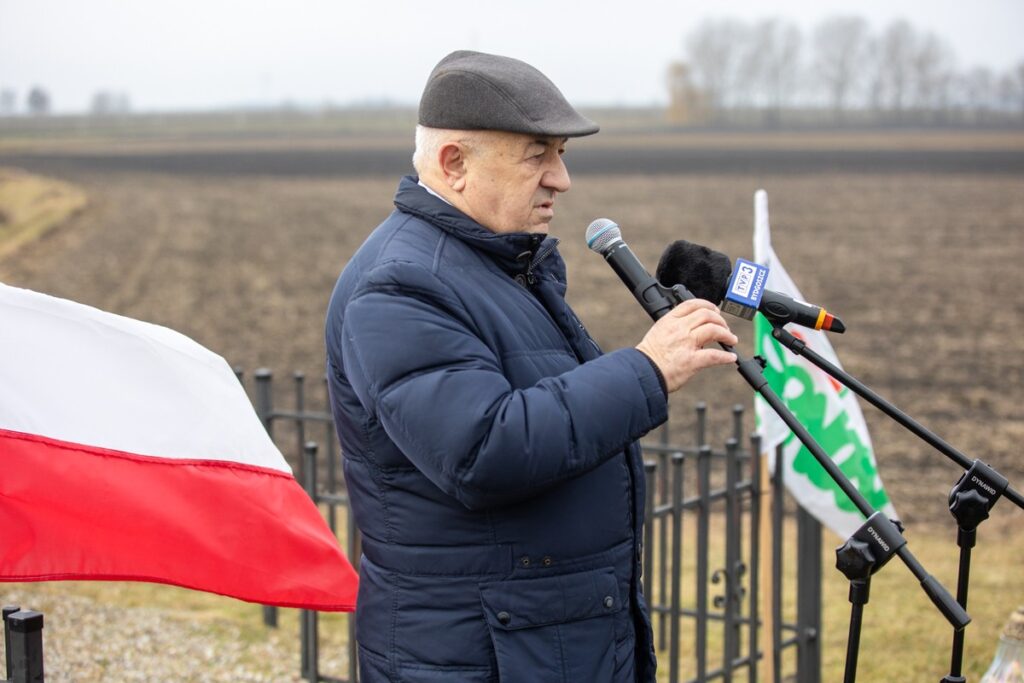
{"x": 557, "y": 176}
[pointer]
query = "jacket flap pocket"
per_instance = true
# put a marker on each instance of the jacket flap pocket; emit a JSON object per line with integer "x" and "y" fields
{"x": 528, "y": 603}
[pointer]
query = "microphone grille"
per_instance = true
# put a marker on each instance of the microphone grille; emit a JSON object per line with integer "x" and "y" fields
{"x": 602, "y": 233}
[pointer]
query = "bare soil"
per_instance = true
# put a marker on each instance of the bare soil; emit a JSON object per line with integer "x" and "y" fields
{"x": 924, "y": 268}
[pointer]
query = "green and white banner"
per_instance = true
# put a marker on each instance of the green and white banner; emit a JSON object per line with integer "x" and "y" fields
{"x": 828, "y": 410}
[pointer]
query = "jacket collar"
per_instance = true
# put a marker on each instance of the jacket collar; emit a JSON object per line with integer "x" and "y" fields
{"x": 513, "y": 251}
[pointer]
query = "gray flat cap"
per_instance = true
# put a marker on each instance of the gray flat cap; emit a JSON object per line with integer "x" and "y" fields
{"x": 477, "y": 91}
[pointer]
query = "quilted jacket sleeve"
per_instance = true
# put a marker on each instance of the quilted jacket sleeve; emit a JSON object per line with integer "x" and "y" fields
{"x": 411, "y": 355}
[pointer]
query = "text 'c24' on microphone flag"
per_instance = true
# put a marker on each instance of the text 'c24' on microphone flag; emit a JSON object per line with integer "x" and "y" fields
{"x": 828, "y": 410}
{"x": 128, "y": 452}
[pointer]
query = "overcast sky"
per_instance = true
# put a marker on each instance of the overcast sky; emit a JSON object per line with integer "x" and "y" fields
{"x": 194, "y": 54}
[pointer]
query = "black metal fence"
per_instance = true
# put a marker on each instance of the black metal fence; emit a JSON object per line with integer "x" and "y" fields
{"x": 703, "y": 558}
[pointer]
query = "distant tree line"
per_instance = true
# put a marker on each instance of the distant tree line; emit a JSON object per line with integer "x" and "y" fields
{"x": 843, "y": 72}
{"x": 38, "y": 102}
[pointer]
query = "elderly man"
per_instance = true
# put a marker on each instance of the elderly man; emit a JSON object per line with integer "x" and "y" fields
{"x": 489, "y": 445}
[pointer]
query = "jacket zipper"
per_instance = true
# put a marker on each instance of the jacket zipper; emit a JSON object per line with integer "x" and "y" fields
{"x": 547, "y": 247}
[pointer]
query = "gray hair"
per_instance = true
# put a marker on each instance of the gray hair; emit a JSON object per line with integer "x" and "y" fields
{"x": 430, "y": 140}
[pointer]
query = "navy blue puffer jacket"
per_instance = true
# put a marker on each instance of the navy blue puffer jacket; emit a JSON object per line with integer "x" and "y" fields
{"x": 490, "y": 457}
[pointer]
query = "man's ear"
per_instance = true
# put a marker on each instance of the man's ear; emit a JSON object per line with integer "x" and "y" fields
{"x": 452, "y": 159}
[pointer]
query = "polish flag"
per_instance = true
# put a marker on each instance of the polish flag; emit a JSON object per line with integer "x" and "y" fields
{"x": 128, "y": 452}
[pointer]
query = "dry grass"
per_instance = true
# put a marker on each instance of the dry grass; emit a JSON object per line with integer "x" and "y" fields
{"x": 30, "y": 205}
{"x": 904, "y": 638}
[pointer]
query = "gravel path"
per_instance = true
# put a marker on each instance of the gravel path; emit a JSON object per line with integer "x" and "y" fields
{"x": 84, "y": 641}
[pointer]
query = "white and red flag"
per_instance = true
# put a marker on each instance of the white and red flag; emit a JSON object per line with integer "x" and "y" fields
{"x": 128, "y": 452}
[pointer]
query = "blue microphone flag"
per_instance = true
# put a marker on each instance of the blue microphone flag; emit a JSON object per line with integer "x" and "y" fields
{"x": 746, "y": 287}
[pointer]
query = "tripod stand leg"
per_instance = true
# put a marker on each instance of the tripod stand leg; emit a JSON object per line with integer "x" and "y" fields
{"x": 966, "y": 539}
{"x": 859, "y": 593}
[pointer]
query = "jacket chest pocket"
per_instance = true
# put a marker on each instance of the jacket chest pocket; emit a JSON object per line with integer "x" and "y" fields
{"x": 556, "y": 629}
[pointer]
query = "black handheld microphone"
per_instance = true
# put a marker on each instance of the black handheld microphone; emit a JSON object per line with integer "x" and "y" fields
{"x": 707, "y": 273}
{"x": 605, "y": 237}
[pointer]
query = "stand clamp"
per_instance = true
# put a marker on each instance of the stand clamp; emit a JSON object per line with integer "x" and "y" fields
{"x": 863, "y": 554}
{"x": 974, "y": 494}
{"x": 869, "y": 548}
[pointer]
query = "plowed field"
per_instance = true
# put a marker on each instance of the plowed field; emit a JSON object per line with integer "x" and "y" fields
{"x": 923, "y": 265}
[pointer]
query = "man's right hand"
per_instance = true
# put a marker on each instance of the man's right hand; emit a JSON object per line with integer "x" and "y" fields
{"x": 676, "y": 342}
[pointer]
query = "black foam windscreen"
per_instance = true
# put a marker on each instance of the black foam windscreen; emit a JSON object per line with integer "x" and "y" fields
{"x": 705, "y": 272}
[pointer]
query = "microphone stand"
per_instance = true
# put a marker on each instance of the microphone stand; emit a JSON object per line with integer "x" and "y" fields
{"x": 970, "y": 500}
{"x": 877, "y": 539}
{"x": 875, "y": 542}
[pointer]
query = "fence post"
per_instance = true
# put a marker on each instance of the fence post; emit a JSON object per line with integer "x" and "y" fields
{"x": 308, "y": 633}
{"x": 737, "y": 422}
{"x": 731, "y": 589}
{"x": 703, "y": 546}
{"x": 299, "y": 380}
{"x": 753, "y": 640}
{"x": 663, "y": 497}
{"x": 808, "y": 597}
{"x": 701, "y": 429}
{"x": 331, "y": 458}
{"x": 676, "y": 609}
{"x": 8, "y": 611}
{"x": 663, "y": 537}
{"x": 355, "y": 550}
{"x": 650, "y": 468}
{"x": 778, "y": 492}
{"x": 264, "y": 410}
{"x": 264, "y": 402}
{"x": 26, "y": 643}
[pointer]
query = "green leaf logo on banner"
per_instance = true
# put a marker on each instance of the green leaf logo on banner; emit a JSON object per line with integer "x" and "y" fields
{"x": 796, "y": 387}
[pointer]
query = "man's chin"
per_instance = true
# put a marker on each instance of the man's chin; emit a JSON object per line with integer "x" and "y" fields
{"x": 542, "y": 221}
